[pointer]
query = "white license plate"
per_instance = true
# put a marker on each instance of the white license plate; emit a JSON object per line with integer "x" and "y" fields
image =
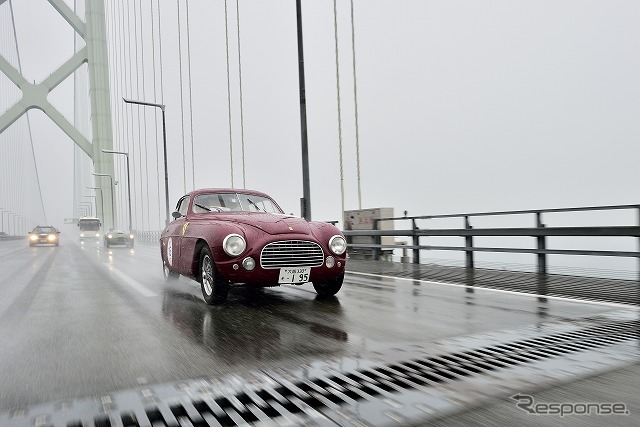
{"x": 294, "y": 275}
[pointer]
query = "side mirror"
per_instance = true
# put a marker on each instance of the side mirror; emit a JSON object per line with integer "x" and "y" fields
{"x": 176, "y": 215}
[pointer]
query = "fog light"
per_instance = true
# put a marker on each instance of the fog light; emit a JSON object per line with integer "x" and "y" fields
{"x": 331, "y": 261}
{"x": 248, "y": 263}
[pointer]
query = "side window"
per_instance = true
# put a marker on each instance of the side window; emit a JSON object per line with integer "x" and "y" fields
{"x": 182, "y": 206}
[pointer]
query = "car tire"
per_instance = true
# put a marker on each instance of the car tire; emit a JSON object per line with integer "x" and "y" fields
{"x": 169, "y": 276}
{"x": 214, "y": 290}
{"x": 329, "y": 288}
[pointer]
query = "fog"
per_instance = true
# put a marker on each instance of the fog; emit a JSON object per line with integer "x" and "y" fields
{"x": 462, "y": 105}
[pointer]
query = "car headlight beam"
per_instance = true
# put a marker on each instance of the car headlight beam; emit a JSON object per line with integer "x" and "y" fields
{"x": 338, "y": 245}
{"x": 234, "y": 244}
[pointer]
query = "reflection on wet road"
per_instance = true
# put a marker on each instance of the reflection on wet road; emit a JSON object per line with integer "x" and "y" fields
{"x": 83, "y": 320}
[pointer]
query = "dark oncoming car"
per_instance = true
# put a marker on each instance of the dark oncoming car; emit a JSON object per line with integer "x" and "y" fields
{"x": 118, "y": 237}
{"x": 224, "y": 236}
{"x": 44, "y": 235}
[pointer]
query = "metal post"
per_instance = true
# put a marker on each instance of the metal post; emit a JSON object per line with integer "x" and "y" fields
{"x": 376, "y": 241}
{"x": 128, "y": 180}
{"x": 306, "y": 188}
{"x": 469, "y": 244}
{"x": 416, "y": 242}
{"x": 542, "y": 260}
{"x": 166, "y": 173}
{"x": 638, "y": 286}
{"x": 164, "y": 146}
{"x": 113, "y": 211}
{"x": 101, "y": 199}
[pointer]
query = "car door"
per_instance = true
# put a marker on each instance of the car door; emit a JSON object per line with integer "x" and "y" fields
{"x": 173, "y": 232}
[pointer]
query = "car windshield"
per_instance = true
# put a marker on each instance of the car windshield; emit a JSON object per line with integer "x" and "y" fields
{"x": 44, "y": 230}
{"x": 218, "y": 202}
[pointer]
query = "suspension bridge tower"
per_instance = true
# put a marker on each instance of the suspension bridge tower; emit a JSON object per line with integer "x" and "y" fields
{"x": 35, "y": 95}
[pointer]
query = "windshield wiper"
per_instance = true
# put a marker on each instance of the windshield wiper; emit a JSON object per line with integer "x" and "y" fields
{"x": 257, "y": 207}
{"x": 208, "y": 209}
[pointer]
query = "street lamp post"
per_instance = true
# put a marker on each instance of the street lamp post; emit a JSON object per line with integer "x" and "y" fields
{"x": 113, "y": 211}
{"x": 306, "y": 187}
{"x": 164, "y": 145}
{"x": 128, "y": 177}
{"x": 101, "y": 198}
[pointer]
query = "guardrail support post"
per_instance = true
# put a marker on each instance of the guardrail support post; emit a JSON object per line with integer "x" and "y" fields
{"x": 468, "y": 243}
{"x": 377, "y": 240}
{"x": 416, "y": 242}
{"x": 638, "y": 286}
{"x": 542, "y": 245}
{"x": 542, "y": 260}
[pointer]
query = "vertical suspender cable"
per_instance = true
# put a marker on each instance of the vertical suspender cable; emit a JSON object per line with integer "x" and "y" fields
{"x": 244, "y": 176}
{"x": 33, "y": 153}
{"x": 161, "y": 98}
{"x": 355, "y": 101}
{"x": 335, "y": 29}
{"x": 142, "y": 173}
{"x": 193, "y": 163}
{"x": 184, "y": 168}
{"x": 144, "y": 114}
{"x": 123, "y": 113}
{"x": 132, "y": 153}
{"x": 155, "y": 115}
{"x": 226, "y": 33}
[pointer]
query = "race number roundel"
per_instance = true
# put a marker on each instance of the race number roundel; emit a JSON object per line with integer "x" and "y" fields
{"x": 170, "y": 251}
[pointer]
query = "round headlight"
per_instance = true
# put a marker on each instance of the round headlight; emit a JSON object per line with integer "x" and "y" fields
{"x": 338, "y": 245}
{"x": 33, "y": 237}
{"x": 234, "y": 244}
{"x": 109, "y": 236}
{"x": 131, "y": 236}
{"x": 51, "y": 237}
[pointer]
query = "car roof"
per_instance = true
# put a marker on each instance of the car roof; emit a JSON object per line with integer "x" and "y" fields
{"x": 227, "y": 190}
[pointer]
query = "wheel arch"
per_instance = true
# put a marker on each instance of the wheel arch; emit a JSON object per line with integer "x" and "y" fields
{"x": 195, "y": 262}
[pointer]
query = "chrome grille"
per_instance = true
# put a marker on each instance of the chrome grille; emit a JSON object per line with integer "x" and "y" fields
{"x": 291, "y": 253}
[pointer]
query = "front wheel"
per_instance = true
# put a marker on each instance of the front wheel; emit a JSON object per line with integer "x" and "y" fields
{"x": 330, "y": 287}
{"x": 214, "y": 290}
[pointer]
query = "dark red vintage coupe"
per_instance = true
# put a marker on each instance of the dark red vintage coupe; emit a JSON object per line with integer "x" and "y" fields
{"x": 224, "y": 236}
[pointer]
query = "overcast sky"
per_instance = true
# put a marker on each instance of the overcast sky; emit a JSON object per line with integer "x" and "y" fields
{"x": 463, "y": 105}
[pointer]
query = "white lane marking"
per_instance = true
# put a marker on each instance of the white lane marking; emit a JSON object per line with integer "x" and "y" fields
{"x": 583, "y": 301}
{"x": 129, "y": 281}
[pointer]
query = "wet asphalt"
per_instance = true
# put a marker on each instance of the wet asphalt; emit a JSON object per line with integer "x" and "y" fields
{"x": 81, "y": 320}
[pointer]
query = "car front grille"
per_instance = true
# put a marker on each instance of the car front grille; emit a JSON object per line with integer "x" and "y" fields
{"x": 291, "y": 253}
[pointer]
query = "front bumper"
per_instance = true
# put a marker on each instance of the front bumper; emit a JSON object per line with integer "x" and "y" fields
{"x": 233, "y": 271}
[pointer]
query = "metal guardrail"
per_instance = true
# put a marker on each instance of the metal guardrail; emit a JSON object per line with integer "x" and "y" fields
{"x": 148, "y": 236}
{"x": 8, "y": 237}
{"x": 540, "y": 232}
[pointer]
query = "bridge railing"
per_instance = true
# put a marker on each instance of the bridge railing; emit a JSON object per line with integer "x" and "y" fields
{"x": 540, "y": 232}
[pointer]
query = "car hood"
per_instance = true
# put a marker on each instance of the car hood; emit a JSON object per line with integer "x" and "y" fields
{"x": 269, "y": 223}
